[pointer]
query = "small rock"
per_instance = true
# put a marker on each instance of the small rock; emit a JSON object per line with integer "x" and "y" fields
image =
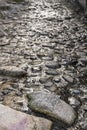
{"x": 56, "y": 79}
{"x": 68, "y": 78}
{"x": 73, "y": 102}
{"x": 36, "y": 69}
{"x": 43, "y": 80}
{"x": 52, "y": 64}
{"x": 52, "y": 106}
{"x": 49, "y": 45}
{"x": 11, "y": 119}
{"x": 84, "y": 60}
{"x": 75, "y": 91}
{"x": 51, "y": 72}
{"x": 33, "y": 57}
{"x": 48, "y": 84}
{"x": 83, "y": 98}
{"x": 12, "y": 71}
{"x": 52, "y": 88}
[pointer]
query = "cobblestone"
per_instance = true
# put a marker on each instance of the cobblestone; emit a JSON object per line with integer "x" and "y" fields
{"x": 47, "y": 40}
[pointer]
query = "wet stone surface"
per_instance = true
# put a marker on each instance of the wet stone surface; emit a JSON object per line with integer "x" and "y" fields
{"x": 52, "y": 106}
{"x": 47, "y": 40}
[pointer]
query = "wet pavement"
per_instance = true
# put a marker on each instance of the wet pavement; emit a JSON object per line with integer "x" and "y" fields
{"x": 48, "y": 40}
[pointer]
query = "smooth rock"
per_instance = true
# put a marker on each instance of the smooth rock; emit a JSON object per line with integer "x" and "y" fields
{"x": 52, "y": 64}
{"x": 43, "y": 80}
{"x": 51, "y": 72}
{"x": 68, "y": 78}
{"x": 48, "y": 84}
{"x": 13, "y": 120}
{"x": 12, "y": 71}
{"x": 52, "y": 106}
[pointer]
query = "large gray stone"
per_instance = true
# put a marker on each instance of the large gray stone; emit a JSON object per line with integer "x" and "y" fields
{"x": 52, "y": 106}
{"x": 13, "y": 120}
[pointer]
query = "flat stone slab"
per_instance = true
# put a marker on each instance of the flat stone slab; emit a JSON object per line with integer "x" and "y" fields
{"x": 12, "y": 71}
{"x": 14, "y": 120}
{"x": 52, "y": 106}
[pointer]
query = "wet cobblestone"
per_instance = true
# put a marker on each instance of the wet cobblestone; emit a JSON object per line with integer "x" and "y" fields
{"x": 48, "y": 40}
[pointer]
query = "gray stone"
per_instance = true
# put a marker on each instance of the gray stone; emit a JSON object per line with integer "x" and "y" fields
{"x": 49, "y": 45}
{"x": 56, "y": 79}
{"x": 52, "y": 64}
{"x": 48, "y": 84}
{"x": 52, "y": 106}
{"x": 43, "y": 80}
{"x": 73, "y": 102}
{"x": 12, "y": 71}
{"x": 68, "y": 78}
{"x": 75, "y": 91}
{"x": 13, "y": 120}
{"x": 36, "y": 69}
{"x": 51, "y": 72}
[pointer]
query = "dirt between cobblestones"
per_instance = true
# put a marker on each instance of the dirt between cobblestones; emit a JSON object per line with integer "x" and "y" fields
{"x": 48, "y": 40}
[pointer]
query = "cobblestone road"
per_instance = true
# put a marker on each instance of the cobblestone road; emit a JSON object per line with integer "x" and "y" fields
{"x": 47, "y": 39}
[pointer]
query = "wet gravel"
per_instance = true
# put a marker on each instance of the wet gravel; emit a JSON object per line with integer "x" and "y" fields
{"x": 48, "y": 40}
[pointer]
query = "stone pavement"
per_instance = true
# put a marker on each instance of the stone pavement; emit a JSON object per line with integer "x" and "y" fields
{"x": 46, "y": 39}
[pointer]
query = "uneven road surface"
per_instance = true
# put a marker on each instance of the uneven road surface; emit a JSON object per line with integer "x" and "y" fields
{"x": 43, "y": 47}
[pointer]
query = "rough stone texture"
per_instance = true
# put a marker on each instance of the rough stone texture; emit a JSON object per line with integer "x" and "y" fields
{"x": 14, "y": 120}
{"x": 12, "y": 71}
{"x": 35, "y": 32}
{"x": 52, "y": 106}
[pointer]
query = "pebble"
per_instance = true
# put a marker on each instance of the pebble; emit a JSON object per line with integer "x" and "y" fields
{"x": 83, "y": 98}
{"x": 75, "y": 91}
{"x": 12, "y": 71}
{"x": 43, "y": 80}
{"x": 56, "y": 79}
{"x": 52, "y": 64}
{"x": 73, "y": 102}
{"x": 51, "y": 72}
{"x": 68, "y": 78}
{"x": 36, "y": 69}
{"x": 48, "y": 84}
{"x": 49, "y": 45}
